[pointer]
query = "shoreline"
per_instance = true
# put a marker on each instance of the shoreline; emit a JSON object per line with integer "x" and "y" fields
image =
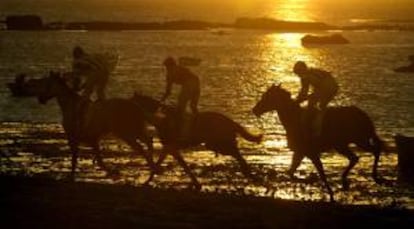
{"x": 35, "y": 23}
{"x": 46, "y": 203}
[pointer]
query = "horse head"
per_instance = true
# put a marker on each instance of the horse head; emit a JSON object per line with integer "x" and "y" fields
{"x": 273, "y": 99}
{"x": 146, "y": 102}
{"x": 47, "y": 87}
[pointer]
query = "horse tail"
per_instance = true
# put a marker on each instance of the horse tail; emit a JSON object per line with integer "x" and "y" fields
{"x": 376, "y": 144}
{"x": 257, "y": 138}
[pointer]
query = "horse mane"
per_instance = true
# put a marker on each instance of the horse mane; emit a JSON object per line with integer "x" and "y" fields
{"x": 291, "y": 102}
{"x": 60, "y": 78}
{"x": 164, "y": 107}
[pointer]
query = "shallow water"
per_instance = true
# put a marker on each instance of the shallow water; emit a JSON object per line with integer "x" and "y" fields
{"x": 45, "y": 153}
{"x": 235, "y": 69}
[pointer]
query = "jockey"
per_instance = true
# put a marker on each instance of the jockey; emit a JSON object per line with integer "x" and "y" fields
{"x": 324, "y": 90}
{"x": 190, "y": 85}
{"x": 190, "y": 92}
{"x": 324, "y": 86}
{"x": 94, "y": 68}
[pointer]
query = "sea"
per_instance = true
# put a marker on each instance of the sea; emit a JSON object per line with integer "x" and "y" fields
{"x": 236, "y": 67}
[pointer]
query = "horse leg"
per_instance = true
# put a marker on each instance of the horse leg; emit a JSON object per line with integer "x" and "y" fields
{"x": 139, "y": 149}
{"x": 353, "y": 159}
{"x": 148, "y": 140}
{"x": 375, "y": 169}
{"x": 153, "y": 168}
{"x": 376, "y": 150}
{"x": 245, "y": 168}
{"x": 161, "y": 159}
{"x": 145, "y": 138}
{"x": 187, "y": 170}
{"x": 230, "y": 148}
{"x": 296, "y": 160}
{"x": 99, "y": 160}
{"x": 318, "y": 164}
{"x": 74, "y": 148}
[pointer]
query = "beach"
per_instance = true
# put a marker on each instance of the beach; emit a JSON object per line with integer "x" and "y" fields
{"x": 38, "y": 202}
{"x": 237, "y": 61}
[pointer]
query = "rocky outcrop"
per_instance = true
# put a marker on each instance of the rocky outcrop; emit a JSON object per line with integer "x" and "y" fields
{"x": 324, "y": 40}
{"x": 24, "y": 22}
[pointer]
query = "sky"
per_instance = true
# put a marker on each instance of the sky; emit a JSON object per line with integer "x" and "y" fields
{"x": 330, "y": 11}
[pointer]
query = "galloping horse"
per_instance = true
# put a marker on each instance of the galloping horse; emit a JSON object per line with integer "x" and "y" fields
{"x": 87, "y": 122}
{"x": 340, "y": 127}
{"x": 215, "y": 130}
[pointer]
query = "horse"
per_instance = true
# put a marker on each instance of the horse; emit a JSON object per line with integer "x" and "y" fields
{"x": 216, "y": 131}
{"x": 87, "y": 122}
{"x": 341, "y": 126}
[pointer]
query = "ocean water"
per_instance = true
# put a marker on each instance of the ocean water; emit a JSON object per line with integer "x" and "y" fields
{"x": 236, "y": 69}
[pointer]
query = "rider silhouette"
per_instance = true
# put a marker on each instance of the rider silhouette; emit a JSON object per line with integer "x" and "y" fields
{"x": 324, "y": 90}
{"x": 94, "y": 68}
{"x": 190, "y": 90}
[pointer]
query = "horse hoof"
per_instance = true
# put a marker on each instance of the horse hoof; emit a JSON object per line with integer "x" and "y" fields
{"x": 158, "y": 171}
{"x": 197, "y": 187}
{"x": 345, "y": 186}
{"x": 69, "y": 178}
{"x": 255, "y": 179}
{"x": 383, "y": 181}
{"x": 114, "y": 173}
{"x": 291, "y": 175}
{"x": 379, "y": 181}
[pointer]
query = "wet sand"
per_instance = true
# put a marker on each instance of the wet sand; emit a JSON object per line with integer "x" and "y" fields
{"x": 34, "y": 194}
{"x": 39, "y": 149}
{"x": 38, "y": 202}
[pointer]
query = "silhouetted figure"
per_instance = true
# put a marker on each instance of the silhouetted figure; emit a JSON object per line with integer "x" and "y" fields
{"x": 405, "y": 148}
{"x": 324, "y": 88}
{"x": 408, "y": 68}
{"x": 190, "y": 91}
{"x": 87, "y": 122}
{"x": 341, "y": 126}
{"x": 216, "y": 131}
{"x": 93, "y": 69}
{"x": 190, "y": 85}
{"x": 16, "y": 87}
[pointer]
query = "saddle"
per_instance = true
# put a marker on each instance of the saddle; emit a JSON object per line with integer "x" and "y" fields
{"x": 186, "y": 126}
{"x": 311, "y": 121}
{"x": 182, "y": 127}
{"x": 85, "y": 111}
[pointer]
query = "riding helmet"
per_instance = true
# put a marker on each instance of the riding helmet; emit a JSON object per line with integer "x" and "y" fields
{"x": 169, "y": 61}
{"x": 299, "y": 67}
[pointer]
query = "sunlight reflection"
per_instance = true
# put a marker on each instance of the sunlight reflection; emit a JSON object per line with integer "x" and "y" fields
{"x": 275, "y": 143}
{"x": 293, "y": 10}
{"x": 289, "y": 39}
{"x": 281, "y": 51}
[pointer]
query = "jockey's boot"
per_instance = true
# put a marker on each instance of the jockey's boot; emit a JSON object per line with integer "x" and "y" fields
{"x": 317, "y": 123}
{"x": 184, "y": 128}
